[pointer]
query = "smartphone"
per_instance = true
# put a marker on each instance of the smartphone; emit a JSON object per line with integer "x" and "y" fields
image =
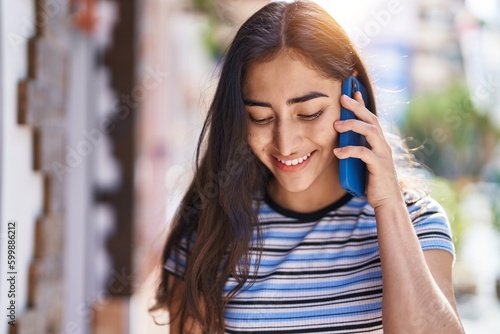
{"x": 352, "y": 173}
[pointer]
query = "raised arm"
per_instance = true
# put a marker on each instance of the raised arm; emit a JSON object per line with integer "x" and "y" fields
{"x": 417, "y": 285}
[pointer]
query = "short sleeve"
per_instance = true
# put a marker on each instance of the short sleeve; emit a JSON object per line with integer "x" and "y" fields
{"x": 431, "y": 225}
{"x": 176, "y": 263}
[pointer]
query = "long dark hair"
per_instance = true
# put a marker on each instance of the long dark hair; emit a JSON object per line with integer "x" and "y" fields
{"x": 216, "y": 216}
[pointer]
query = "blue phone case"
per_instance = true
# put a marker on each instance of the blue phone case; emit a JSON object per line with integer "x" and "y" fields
{"x": 352, "y": 174}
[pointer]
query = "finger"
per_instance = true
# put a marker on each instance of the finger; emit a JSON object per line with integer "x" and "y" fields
{"x": 372, "y": 133}
{"x": 358, "y": 109}
{"x": 359, "y": 152}
{"x": 359, "y": 97}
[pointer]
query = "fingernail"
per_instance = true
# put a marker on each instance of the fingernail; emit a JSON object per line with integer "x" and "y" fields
{"x": 339, "y": 122}
{"x": 337, "y": 150}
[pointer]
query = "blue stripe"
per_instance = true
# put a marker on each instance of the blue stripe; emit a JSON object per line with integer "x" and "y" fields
{"x": 322, "y": 257}
{"x": 310, "y": 285}
{"x": 331, "y": 312}
{"x": 354, "y": 220}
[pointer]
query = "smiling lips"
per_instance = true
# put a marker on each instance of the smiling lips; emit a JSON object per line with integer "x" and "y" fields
{"x": 295, "y": 161}
{"x": 294, "y": 164}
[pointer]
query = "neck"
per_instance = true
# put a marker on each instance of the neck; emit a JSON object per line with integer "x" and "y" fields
{"x": 324, "y": 191}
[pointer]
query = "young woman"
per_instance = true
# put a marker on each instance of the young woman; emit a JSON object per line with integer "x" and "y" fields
{"x": 266, "y": 240}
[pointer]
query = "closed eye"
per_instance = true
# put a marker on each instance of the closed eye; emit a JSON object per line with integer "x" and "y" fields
{"x": 261, "y": 121}
{"x": 312, "y": 116}
{"x": 267, "y": 120}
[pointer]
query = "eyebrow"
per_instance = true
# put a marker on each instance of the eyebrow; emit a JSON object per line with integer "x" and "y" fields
{"x": 295, "y": 100}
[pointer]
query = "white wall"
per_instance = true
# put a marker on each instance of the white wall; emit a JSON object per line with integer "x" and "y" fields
{"x": 20, "y": 186}
{"x": 78, "y": 275}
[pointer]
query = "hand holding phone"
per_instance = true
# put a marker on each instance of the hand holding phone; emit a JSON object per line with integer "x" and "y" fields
{"x": 352, "y": 173}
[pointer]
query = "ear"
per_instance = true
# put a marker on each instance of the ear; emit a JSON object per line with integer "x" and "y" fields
{"x": 355, "y": 73}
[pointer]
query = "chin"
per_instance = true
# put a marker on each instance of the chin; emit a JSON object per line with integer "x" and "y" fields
{"x": 295, "y": 187}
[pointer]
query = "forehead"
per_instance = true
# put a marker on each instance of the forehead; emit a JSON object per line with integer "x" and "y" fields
{"x": 285, "y": 75}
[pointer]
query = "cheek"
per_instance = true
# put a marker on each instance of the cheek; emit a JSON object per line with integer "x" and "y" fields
{"x": 324, "y": 133}
{"x": 259, "y": 137}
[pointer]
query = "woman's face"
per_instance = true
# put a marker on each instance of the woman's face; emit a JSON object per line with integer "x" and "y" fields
{"x": 292, "y": 109}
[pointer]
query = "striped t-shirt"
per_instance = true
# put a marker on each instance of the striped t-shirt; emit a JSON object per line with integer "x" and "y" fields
{"x": 320, "y": 272}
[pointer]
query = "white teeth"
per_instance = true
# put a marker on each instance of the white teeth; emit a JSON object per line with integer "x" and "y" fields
{"x": 295, "y": 161}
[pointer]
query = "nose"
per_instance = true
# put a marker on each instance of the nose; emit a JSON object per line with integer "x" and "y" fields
{"x": 287, "y": 137}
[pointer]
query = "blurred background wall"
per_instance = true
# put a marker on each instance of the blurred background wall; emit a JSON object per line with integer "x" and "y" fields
{"x": 101, "y": 105}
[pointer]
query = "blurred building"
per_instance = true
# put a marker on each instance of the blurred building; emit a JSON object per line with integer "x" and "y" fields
{"x": 101, "y": 103}
{"x": 458, "y": 40}
{"x": 34, "y": 64}
{"x": 70, "y": 89}
{"x": 436, "y": 54}
{"x": 479, "y": 33}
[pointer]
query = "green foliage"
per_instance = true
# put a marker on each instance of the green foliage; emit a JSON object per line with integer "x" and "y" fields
{"x": 456, "y": 141}
{"x": 448, "y": 195}
{"x": 495, "y": 208}
{"x": 214, "y": 14}
{"x": 204, "y": 6}
{"x": 210, "y": 41}
{"x": 450, "y": 136}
